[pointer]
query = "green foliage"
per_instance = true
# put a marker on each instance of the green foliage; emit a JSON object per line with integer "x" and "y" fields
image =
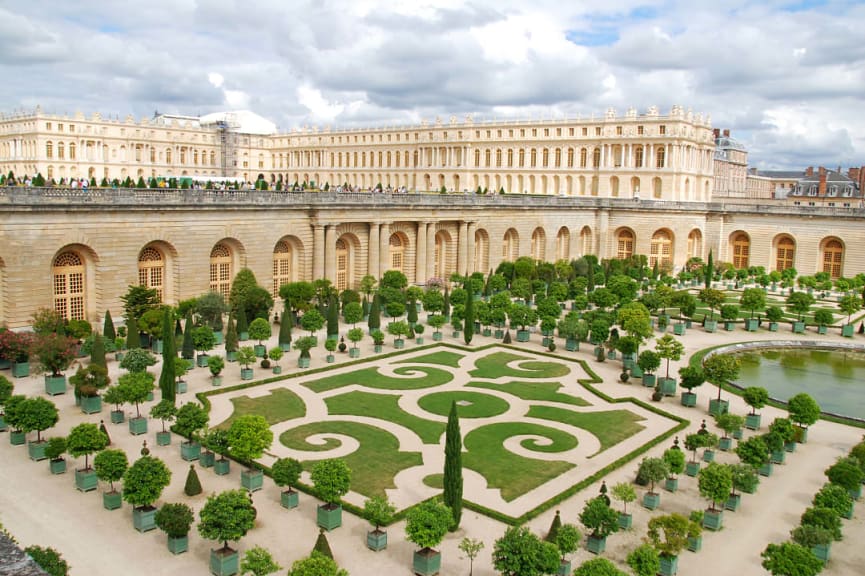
{"x": 35, "y": 414}
{"x": 246, "y": 356}
{"x": 803, "y": 410}
{"x": 191, "y": 418}
{"x": 137, "y": 301}
{"x": 258, "y": 561}
{"x": 669, "y": 348}
{"x": 260, "y": 330}
{"x": 6, "y": 388}
{"x": 649, "y": 361}
{"x": 378, "y": 510}
{"x": 755, "y": 397}
{"x": 669, "y": 534}
{"x": 427, "y": 523}
{"x": 808, "y": 535}
{"x": 675, "y": 459}
{"x": 567, "y": 539}
{"x": 598, "y": 567}
{"x": 846, "y": 472}
{"x": 644, "y": 560}
{"x": 164, "y": 410}
{"x": 226, "y": 516}
{"x": 331, "y": 478}
{"x": 133, "y": 339}
{"x": 55, "y": 447}
{"x": 453, "y": 473}
{"x": 168, "y": 376}
{"x": 825, "y": 518}
{"x": 712, "y": 298}
{"x": 624, "y": 492}
{"x": 753, "y": 451}
{"x": 88, "y": 381}
{"x": 110, "y": 465}
{"x": 249, "y": 436}
{"x": 823, "y": 317}
{"x": 554, "y": 528}
{"x": 54, "y": 352}
{"x": 135, "y": 387}
{"x": 85, "y": 439}
{"x": 137, "y": 360}
{"x": 774, "y": 313}
{"x": 192, "y": 485}
{"x": 653, "y": 470}
{"x": 715, "y": 483}
{"x": 49, "y": 559}
{"x": 598, "y": 517}
{"x": 519, "y": 552}
{"x": 835, "y": 497}
{"x": 145, "y": 480}
{"x": 790, "y": 559}
{"x": 248, "y": 297}
{"x": 799, "y": 303}
{"x": 316, "y": 565}
{"x": 729, "y": 423}
{"x": 97, "y": 352}
{"x": 744, "y": 477}
{"x": 231, "y": 336}
{"x": 187, "y": 349}
{"x": 374, "y": 321}
{"x": 174, "y": 519}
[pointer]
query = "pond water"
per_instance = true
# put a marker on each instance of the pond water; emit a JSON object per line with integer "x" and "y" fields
{"x": 835, "y": 379}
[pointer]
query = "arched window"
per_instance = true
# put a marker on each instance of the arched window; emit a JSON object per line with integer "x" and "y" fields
{"x": 558, "y": 157}
{"x": 477, "y": 158}
{"x": 570, "y": 157}
{"x": 624, "y": 244}
{"x": 482, "y": 251}
{"x": 661, "y": 250}
{"x": 342, "y": 266}
{"x": 534, "y": 158}
{"x": 487, "y": 156}
{"x": 510, "y": 157}
{"x": 695, "y": 244}
{"x": 583, "y": 154}
{"x": 785, "y": 253}
{"x": 151, "y": 270}
{"x": 833, "y": 258}
{"x": 168, "y": 155}
{"x": 397, "y": 252}
{"x": 596, "y": 158}
{"x": 638, "y": 157}
{"x": 522, "y": 157}
{"x": 563, "y": 244}
{"x": 282, "y": 265}
{"x": 72, "y": 150}
{"x": 69, "y": 285}
{"x": 220, "y": 270}
{"x": 49, "y": 149}
{"x": 741, "y": 250}
{"x": 498, "y": 158}
{"x": 441, "y": 252}
{"x": 545, "y": 157}
{"x": 61, "y": 150}
{"x": 585, "y": 241}
{"x": 510, "y": 245}
{"x": 539, "y": 240}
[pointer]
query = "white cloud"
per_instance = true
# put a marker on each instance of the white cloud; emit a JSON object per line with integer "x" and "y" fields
{"x": 318, "y": 106}
{"x": 216, "y": 79}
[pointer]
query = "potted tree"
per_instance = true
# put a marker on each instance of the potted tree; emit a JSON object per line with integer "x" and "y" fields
{"x": 216, "y": 365}
{"x": 837, "y": 498}
{"x": 135, "y": 388}
{"x": 800, "y": 304}
{"x": 377, "y": 340}
{"x": 827, "y": 522}
{"x": 849, "y": 305}
{"x": 55, "y": 448}
{"x": 823, "y": 318}
{"x": 745, "y": 479}
{"x": 729, "y": 423}
{"x": 248, "y": 437}
{"x": 225, "y": 517}
{"x": 259, "y": 329}
{"x": 804, "y": 411}
{"x": 181, "y": 367}
{"x": 332, "y": 479}
{"x": 778, "y": 559}
{"x": 166, "y": 411}
{"x": 669, "y": 535}
{"x": 398, "y": 330}
{"x": 755, "y": 397}
{"x": 774, "y": 314}
{"x": 675, "y": 460}
{"x": 110, "y": 465}
{"x": 35, "y": 415}
{"x": 175, "y": 520}
{"x": 436, "y": 321}
{"x": 847, "y": 473}
{"x": 752, "y": 299}
{"x": 355, "y": 335}
{"x": 815, "y": 538}
{"x": 231, "y": 341}
{"x": 143, "y": 483}
{"x": 567, "y": 540}
{"x": 720, "y": 369}
{"x": 246, "y": 358}
{"x": 54, "y": 354}
{"x": 690, "y": 377}
{"x": 694, "y": 442}
{"x": 304, "y": 344}
{"x": 114, "y": 397}
{"x": 715, "y": 482}
{"x": 648, "y": 362}
{"x": 379, "y": 511}
{"x": 652, "y": 470}
{"x": 286, "y": 472}
{"x": 426, "y": 525}
{"x": 330, "y": 345}
{"x": 624, "y": 492}
{"x": 6, "y": 389}
{"x": 601, "y": 520}
{"x": 216, "y": 441}
{"x": 785, "y": 430}
{"x": 17, "y": 437}
{"x": 645, "y": 560}
{"x": 669, "y": 348}
{"x": 276, "y": 354}
{"x": 714, "y": 299}
{"x": 418, "y": 332}
{"x": 84, "y": 440}
{"x": 729, "y": 313}
{"x": 204, "y": 341}
{"x": 755, "y": 453}
{"x": 87, "y": 383}
{"x": 191, "y": 418}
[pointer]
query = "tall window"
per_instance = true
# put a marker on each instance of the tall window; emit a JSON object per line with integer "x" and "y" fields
{"x": 342, "y": 270}
{"x": 614, "y": 186}
{"x": 661, "y": 250}
{"x": 151, "y": 270}
{"x": 741, "y": 250}
{"x": 539, "y": 239}
{"x": 220, "y": 270}
{"x": 563, "y": 244}
{"x": 585, "y": 241}
{"x": 522, "y": 157}
{"x": 499, "y": 158}
{"x": 833, "y": 258}
{"x": 482, "y": 251}
{"x": 583, "y": 154}
{"x": 638, "y": 157}
{"x": 282, "y": 265}
{"x": 510, "y": 157}
{"x": 510, "y": 245}
{"x": 695, "y": 244}
{"x": 785, "y": 253}
{"x": 72, "y": 150}
{"x": 596, "y": 158}
{"x": 441, "y": 250}
{"x": 397, "y": 252}
{"x": 625, "y": 244}
{"x": 659, "y": 156}
{"x": 69, "y": 285}
{"x": 570, "y": 157}
{"x": 49, "y": 150}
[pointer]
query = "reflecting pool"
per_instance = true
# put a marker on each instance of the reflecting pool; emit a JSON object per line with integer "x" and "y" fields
{"x": 834, "y": 378}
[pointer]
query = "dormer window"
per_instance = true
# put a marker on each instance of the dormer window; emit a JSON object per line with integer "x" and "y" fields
{"x": 813, "y": 190}
{"x": 848, "y": 191}
{"x": 833, "y": 191}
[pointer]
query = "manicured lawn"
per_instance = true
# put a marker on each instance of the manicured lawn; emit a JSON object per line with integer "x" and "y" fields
{"x": 515, "y": 475}
{"x": 610, "y": 426}
{"x": 371, "y": 378}
{"x": 443, "y": 358}
{"x": 546, "y": 391}
{"x": 384, "y": 407}
{"x": 280, "y": 405}
{"x": 373, "y": 465}
{"x": 495, "y": 365}
{"x": 469, "y": 404}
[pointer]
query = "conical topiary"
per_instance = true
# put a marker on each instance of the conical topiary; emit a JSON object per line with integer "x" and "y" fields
{"x": 193, "y": 485}
{"x": 321, "y": 545}
{"x": 97, "y": 352}
{"x": 554, "y": 528}
{"x": 242, "y": 325}
{"x": 231, "y": 336}
{"x": 133, "y": 339}
{"x": 108, "y": 330}
{"x": 507, "y": 338}
{"x": 187, "y": 350}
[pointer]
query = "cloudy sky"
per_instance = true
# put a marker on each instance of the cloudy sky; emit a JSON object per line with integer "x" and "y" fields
{"x": 786, "y": 76}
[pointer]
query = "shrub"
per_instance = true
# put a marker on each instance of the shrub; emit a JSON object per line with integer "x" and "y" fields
{"x": 49, "y": 560}
{"x": 192, "y": 486}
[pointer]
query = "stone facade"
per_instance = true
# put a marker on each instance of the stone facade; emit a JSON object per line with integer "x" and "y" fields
{"x": 78, "y": 251}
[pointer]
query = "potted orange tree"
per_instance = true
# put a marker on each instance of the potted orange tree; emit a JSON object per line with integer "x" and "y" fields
{"x": 84, "y": 440}
{"x": 379, "y": 511}
{"x": 54, "y": 353}
{"x": 248, "y": 437}
{"x": 225, "y": 517}
{"x": 332, "y": 479}
{"x": 143, "y": 483}
{"x": 426, "y": 525}
{"x": 110, "y": 465}
{"x": 175, "y": 520}
{"x": 286, "y": 472}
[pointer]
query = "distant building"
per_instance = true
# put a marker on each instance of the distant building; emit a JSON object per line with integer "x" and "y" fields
{"x": 772, "y": 184}
{"x": 828, "y": 188}
{"x": 730, "y": 166}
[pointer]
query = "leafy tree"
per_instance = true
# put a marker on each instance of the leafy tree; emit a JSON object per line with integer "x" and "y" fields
{"x": 774, "y": 313}
{"x": 720, "y": 369}
{"x": 231, "y": 336}
{"x": 332, "y": 479}
{"x": 137, "y": 360}
{"x": 427, "y": 523}
{"x": 135, "y": 387}
{"x": 823, "y": 317}
{"x": 316, "y": 565}
{"x": 644, "y": 560}
{"x": 849, "y": 305}
{"x": 469, "y": 325}
{"x": 55, "y": 448}
{"x": 249, "y": 436}
{"x": 799, "y": 303}
{"x": 137, "y": 301}
{"x": 145, "y": 480}
{"x": 203, "y": 339}
{"x": 567, "y": 540}
{"x": 715, "y": 482}
{"x": 35, "y": 415}
{"x": 675, "y": 460}
{"x": 110, "y": 466}
{"x": 753, "y": 299}
{"x": 598, "y": 517}
{"x": 49, "y": 559}
{"x": 97, "y": 352}
{"x": 190, "y": 419}
{"x": 519, "y": 552}
{"x": 188, "y": 348}
{"x": 453, "y": 470}
{"x": 669, "y": 534}
{"x": 803, "y": 410}
{"x": 165, "y": 410}
{"x": 598, "y": 567}
{"x": 729, "y": 423}
{"x": 753, "y": 451}
{"x": 285, "y": 327}
{"x": 53, "y": 352}
{"x": 653, "y": 470}
{"x": 624, "y": 492}
{"x": 825, "y": 518}
{"x": 89, "y": 381}
{"x": 809, "y": 536}
{"x": 669, "y": 348}
{"x": 471, "y": 547}
{"x": 168, "y": 376}
{"x": 242, "y": 322}
{"x": 226, "y": 516}
{"x": 744, "y": 477}
{"x": 259, "y": 562}
{"x": 210, "y": 307}
{"x": 174, "y": 519}
{"x": 374, "y": 321}
{"x": 691, "y": 377}
{"x": 192, "y": 486}
{"x": 846, "y": 472}
{"x": 312, "y": 321}
{"x": 260, "y": 330}
{"x": 246, "y": 356}
{"x": 85, "y": 439}
{"x": 634, "y": 318}
{"x": 247, "y": 296}
{"x": 649, "y": 361}
{"x": 835, "y": 497}
{"x": 378, "y": 510}
{"x": 755, "y": 397}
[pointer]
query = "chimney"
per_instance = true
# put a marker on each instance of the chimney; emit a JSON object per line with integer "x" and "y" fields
{"x": 717, "y": 133}
{"x": 726, "y": 133}
{"x": 862, "y": 180}
{"x": 809, "y": 171}
{"x": 821, "y": 187}
{"x": 853, "y": 174}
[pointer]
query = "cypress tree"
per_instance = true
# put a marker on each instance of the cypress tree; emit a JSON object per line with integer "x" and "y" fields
{"x": 374, "y": 322}
{"x": 188, "y": 348}
{"x": 231, "y": 336}
{"x": 133, "y": 339}
{"x": 108, "y": 327}
{"x": 709, "y": 271}
{"x": 321, "y": 545}
{"x": 365, "y": 305}
{"x": 242, "y": 326}
{"x": 168, "y": 377}
{"x": 453, "y": 474}
{"x": 332, "y": 318}
{"x": 469, "y": 320}
{"x": 97, "y": 352}
{"x": 178, "y": 329}
{"x": 554, "y": 528}
{"x": 285, "y": 326}
{"x": 412, "y": 313}
{"x": 446, "y": 309}
{"x": 193, "y": 484}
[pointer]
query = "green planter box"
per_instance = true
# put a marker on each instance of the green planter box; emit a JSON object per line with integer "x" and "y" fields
{"x": 711, "y": 325}
{"x": 138, "y": 426}
{"x": 798, "y": 327}
{"x": 437, "y": 336}
{"x": 651, "y": 500}
{"x": 216, "y": 380}
{"x": 418, "y": 340}
{"x": 219, "y": 337}
{"x": 289, "y": 499}
{"x": 57, "y": 466}
{"x": 751, "y": 324}
{"x": 21, "y": 369}
{"x": 156, "y": 346}
{"x": 144, "y": 518}
{"x": 725, "y": 444}
{"x": 752, "y": 421}
{"x": 801, "y": 435}
{"x": 222, "y": 466}
{"x": 821, "y": 551}
{"x": 112, "y": 500}
{"x": 737, "y": 434}
{"x": 399, "y": 343}
{"x": 119, "y": 356}
{"x": 190, "y": 451}
{"x": 328, "y": 517}
{"x": 3, "y": 426}
{"x": 625, "y": 521}
{"x": 260, "y": 350}
{"x": 55, "y": 385}
{"x": 17, "y": 438}
{"x": 564, "y": 568}
{"x": 855, "y": 493}
{"x": 695, "y": 544}
{"x": 354, "y": 352}
{"x": 671, "y": 484}
{"x": 692, "y": 468}
{"x": 285, "y": 346}
{"x": 231, "y": 356}
{"x": 182, "y": 387}
{"x": 303, "y": 362}
{"x": 778, "y": 456}
{"x": 224, "y": 562}
{"x": 243, "y": 336}
{"x": 163, "y": 438}
{"x": 252, "y": 480}
{"x": 668, "y": 386}
{"x": 376, "y": 540}
{"x": 498, "y": 334}
{"x": 246, "y": 373}
{"x": 596, "y": 545}
{"x": 426, "y": 562}
{"x": 5, "y": 364}
{"x": 377, "y": 348}
{"x": 766, "y": 469}
{"x": 330, "y": 358}
{"x": 708, "y": 455}
{"x": 718, "y": 407}
{"x": 733, "y": 502}
{"x": 86, "y": 480}
{"x": 91, "y": 404}
{"x": 729, "y": 326}
{"x": 36, "y": 450}
{"x": 773, "y": 326}
{"x": 669, "y": 565}
{"x": 201, "y": 360}
{"x": 847, "y": 330}
{"x": 713, "y": 519}
{"x": 178, "y": 545}
{"x": 277, "y": 370}
{"x": 689, "y": 399}
{"x": 679, "y": 329}
{"x": 611, "y": 354}
{"x": 207, "y": 459}
{"x": 150, "y": 397}
{"x": 523, "y": 335}
{"x": 822, "y": 330}
{"x": 649, "y": 380}
{"x": 486, "y": 332}
{"x": 572, "y": 345}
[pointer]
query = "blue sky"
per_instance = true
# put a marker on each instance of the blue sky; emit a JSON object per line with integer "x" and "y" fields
{"x": 786, "y": 77}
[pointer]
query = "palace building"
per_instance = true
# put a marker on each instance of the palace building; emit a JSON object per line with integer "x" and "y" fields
{"x": 612, "y": 186}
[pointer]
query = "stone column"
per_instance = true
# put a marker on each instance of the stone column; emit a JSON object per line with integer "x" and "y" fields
{"x": 602, "y": 240}
{"x": 384, "y": 249}
{"x": 373, "y": 247}
{"x": 420, "y": 274}
{"x": 330, "y": 252}
{"x": 462, "y": 248}
{"x": 470, "y": 250}
{"x": 430, "y": 249}
{"x": 318, "y": 252}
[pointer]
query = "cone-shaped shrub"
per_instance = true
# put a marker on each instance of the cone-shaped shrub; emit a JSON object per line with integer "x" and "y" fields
{"x": 322, "y": 546}
{"x": 193, "y": 485}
